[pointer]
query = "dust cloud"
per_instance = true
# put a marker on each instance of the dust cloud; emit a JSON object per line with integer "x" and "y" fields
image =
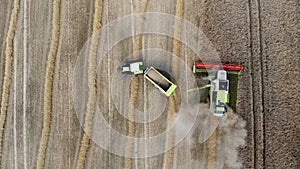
{"x": 227, "y": 135}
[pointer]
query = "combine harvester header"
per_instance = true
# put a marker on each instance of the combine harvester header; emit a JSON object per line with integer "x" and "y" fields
{"x": 230, "y": 68}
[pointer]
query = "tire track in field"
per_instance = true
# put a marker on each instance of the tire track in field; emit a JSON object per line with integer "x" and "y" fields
{"x": 169, "y": 155}
{"x": 50, "y": 67}
{"x": 257, "y": 88}
{"x": 8, "y": 69}
{"x": 133, "y": 97}
{"x": 252, "y": 85}
{"x": 262, "y": 74}
{"x": 85, "y": 140}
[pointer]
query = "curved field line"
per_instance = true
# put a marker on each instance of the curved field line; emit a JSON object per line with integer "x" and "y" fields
{"x": 8, "y": 67}
{"x": 137, "y": 44}
{"x": 168, "y": 156}
{"x": 50, "y": 67}
{"x": 85, "y": 141}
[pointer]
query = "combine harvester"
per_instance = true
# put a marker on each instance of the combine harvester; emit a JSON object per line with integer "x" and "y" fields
{"x": 219, "y": 84}
{"x": 219, "y": 93}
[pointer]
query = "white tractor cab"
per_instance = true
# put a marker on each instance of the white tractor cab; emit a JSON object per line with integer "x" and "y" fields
{"x": 135, "y": 68}
{"x": 219, "y": 93}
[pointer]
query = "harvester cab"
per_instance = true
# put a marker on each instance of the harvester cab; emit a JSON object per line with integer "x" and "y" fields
{"x": 219, "y": 93}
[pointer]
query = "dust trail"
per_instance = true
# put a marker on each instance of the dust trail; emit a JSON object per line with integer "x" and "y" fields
{"x": 7, "y": 69}
{"x": 169, "y": 155}
{"x": 25, "y": 24}
{"x": 232, "y": 134}
{"x": 50, "y": 67}
{"x": 223, "y": 146}
{"x": 137, "y": 43}
{"x": 85, "y": 141}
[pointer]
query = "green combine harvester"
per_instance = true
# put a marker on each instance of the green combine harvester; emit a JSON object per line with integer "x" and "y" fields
{"x": 219, "y": 95}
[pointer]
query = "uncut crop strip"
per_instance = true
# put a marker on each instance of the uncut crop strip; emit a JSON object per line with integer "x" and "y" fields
{"x": 177, "y": 33}
{"x": 48, "y": 88}
{"x": 131, "y": 125}
{"x": 212, "y": 146}
{"x": 137, "y": 44}
{"x": 8, "y": 68}
{"x": 211, "y": 156}
{"x": 169, "y": 155}
{"x": 85, "y": 140}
